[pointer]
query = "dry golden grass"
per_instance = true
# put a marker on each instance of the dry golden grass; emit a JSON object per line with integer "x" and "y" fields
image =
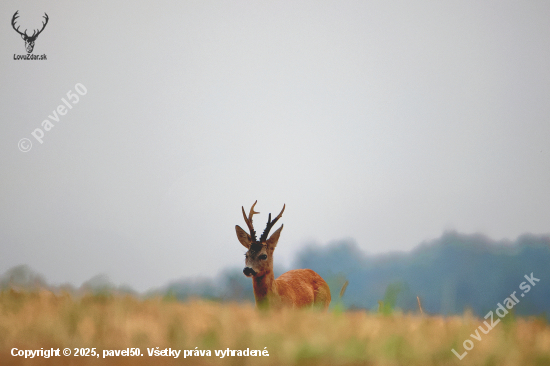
{"x": 43, "y": 319}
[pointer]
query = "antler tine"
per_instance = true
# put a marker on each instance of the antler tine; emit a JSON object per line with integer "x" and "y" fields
{"x": 279, "y": 215}
{"x": 13, "y": 19}
{"x": 43, "y": 24}
{"x": 270, "y": 224}
{"x": 248, "y": 220}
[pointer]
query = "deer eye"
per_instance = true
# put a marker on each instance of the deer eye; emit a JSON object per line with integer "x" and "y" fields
{"x": 263, "y": 257}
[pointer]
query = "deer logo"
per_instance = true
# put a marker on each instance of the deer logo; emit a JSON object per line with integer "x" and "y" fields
{"x": 29, "y": 40}
{"x": 297, "y": 288}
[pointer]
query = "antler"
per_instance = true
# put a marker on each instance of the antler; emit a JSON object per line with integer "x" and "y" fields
{"x": 15, "y": 16}
{"x": 36, "y": 32}
{"x": 248, "y": 221}
{"x": 43, "y": 25}
{"x": 270, "y": 225}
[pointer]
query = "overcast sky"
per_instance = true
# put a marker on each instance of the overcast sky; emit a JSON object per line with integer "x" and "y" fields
{"x": 384, "y": 122}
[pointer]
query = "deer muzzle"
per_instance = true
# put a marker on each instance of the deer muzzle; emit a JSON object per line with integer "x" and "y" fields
{"x": 249, "y": 272}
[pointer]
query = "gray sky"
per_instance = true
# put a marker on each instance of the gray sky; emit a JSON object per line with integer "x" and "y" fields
{"x": 385, "y": 122}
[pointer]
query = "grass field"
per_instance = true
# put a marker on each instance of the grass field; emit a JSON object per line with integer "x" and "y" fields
{"x": 35, "y": 320}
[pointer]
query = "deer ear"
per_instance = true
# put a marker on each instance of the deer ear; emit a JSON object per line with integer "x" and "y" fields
{"x": 274, "y": 238}
{"x": 23, "y": 36}
{"x": 243, "y": 237}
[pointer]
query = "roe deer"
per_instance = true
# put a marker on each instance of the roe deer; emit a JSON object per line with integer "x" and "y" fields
{"x": 296, "y": 288}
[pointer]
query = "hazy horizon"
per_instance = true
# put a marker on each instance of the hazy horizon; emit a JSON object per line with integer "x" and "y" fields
{"x": 101, "y": 279}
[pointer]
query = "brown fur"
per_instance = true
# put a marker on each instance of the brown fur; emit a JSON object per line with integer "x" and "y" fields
{"x": 297, "y": 288}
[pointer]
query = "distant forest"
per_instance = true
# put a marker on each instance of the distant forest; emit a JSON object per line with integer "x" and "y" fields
{"x": 452, "y": 274}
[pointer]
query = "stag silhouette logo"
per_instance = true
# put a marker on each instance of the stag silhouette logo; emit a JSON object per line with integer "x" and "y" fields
{"x": 29, "y": 40}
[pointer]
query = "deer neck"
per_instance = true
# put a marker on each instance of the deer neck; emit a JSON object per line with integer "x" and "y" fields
{"x": 265, "y": 289}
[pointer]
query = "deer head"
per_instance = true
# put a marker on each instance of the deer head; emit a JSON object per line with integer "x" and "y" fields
{"x": 29, "y": 40}
{"x": 259, "y": 257}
